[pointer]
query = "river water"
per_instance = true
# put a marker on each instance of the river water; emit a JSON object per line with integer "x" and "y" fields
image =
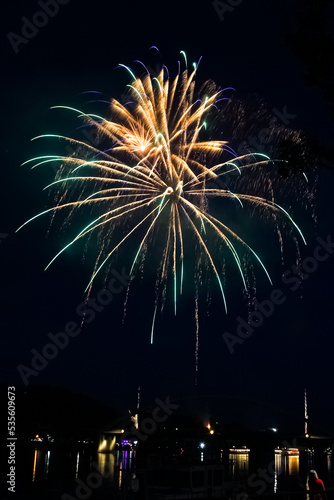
{"x": 60, "y": 473}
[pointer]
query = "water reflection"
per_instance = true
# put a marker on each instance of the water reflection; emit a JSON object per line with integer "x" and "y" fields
{"x": 278, "y": 469}
{"x": 106, "y": 463}
{"x": 278, "y": 463}
{"x": 310, "y": 458}
{"x": 292, "y": 467}
{"x": 47, "y": 464}
{"x": 77, "y": 465}
{"x": 329, "y": 461}
{"x": 239, "y": 463}
{"x": 63, "y": 465}
{"x": 55, "y": 464}
{"x": 125, "y": 468}
{"x": 39, "y": 465}
{"x": 34, "y": 466}
{"x": 287, "y": 461}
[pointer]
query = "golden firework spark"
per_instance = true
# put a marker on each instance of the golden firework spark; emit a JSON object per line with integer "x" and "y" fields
{"x": 151, "y": 166}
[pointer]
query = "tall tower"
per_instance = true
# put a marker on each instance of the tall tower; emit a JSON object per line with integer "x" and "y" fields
{"x": 134, "y": 418}
{"x": 305, "y": 415}
{"x": 138, "y": 403}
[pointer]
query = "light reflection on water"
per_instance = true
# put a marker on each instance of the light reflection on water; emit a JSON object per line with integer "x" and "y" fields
{"x": 119, "y": 466}
{"x": 239, "y": 465}
{"x": 292, "y": 465}
{"x": 106, "y": 463}
{"x": 77, "y": 465}
{"x": 286, "y": 467}
{"x": 40, "y": 464}
{"x": 124, "y": 467}
{"x": 47, "y": 464}
{"x": 34, "y": 466}
{"x": 291, "y": 470}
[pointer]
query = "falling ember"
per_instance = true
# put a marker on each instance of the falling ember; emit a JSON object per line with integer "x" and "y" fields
{"x": 197, "y": 338}
{"x": 152, "y": 168}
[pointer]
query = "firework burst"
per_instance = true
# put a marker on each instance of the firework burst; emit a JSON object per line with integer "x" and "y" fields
{"x": 152, "y": 168}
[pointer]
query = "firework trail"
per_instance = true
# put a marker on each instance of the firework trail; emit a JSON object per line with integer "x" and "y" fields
{"x": 152, "y": 170}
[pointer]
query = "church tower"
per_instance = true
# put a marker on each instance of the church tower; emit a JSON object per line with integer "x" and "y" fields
{"x": 305, "y": 416}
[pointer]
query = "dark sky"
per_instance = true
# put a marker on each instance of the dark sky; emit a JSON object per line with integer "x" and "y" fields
{"x": 78, "y": 50}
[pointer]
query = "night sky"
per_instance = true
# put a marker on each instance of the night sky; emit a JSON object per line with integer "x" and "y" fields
{"x": 251, "y": 47}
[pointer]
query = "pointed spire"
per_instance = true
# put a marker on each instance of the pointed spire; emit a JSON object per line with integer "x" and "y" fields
{"x": 138, "y": 398}
{"x": 305, "y": 415}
